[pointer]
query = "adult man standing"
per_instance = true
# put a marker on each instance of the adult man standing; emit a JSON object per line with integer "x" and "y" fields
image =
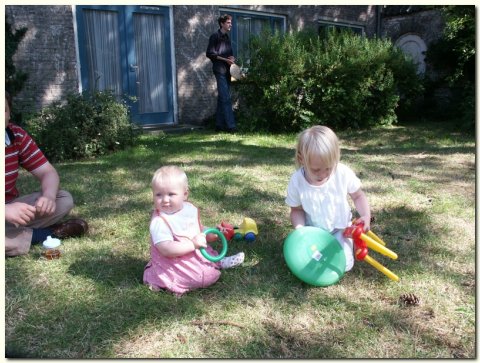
{"x": 30, "y": 219}
{"x": 220, "y": 52}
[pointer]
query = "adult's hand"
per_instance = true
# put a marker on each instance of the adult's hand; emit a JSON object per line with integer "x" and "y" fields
{"x": 45, "y": 206}
{"x": 19, "y": 213}
{"x": 49, "y": 180}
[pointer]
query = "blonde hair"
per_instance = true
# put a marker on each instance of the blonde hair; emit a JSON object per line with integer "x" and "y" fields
{"x": 170, "y": 174}
{"x": 317, "y": 141}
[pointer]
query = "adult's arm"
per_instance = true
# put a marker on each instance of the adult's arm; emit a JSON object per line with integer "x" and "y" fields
{"x": 49, "y": 181}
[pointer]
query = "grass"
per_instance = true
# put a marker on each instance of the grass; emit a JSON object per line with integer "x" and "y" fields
{"x": 90, "y": 303}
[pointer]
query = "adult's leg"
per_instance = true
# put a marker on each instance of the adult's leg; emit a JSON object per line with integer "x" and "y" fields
{"x": 18, "y": 239}
{"x": 225, "y": 116}
{"x": 229, "y": 115}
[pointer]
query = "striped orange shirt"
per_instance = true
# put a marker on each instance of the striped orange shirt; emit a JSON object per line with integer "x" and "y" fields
{"x": 21, "y": 151}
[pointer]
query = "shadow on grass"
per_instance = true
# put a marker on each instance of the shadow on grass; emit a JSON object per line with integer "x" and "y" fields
{"x": 117, "y": 186}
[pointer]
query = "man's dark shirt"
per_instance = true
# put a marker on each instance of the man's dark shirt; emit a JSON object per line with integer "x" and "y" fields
{"x": 219, "y": 45}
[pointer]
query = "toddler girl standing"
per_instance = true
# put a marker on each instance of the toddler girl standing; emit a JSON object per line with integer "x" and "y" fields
{"x": 176, "y": 234}
{"x": 317, "y": 191}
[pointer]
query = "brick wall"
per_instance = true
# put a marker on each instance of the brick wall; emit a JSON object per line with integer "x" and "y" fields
{"x": 196, "y": 86}
{"x": 428, "y": 25}
{"x": 46, "y": 53}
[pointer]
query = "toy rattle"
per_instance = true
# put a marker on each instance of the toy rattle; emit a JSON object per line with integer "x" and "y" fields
{"x": 248, "y": 230}
{"x": 223, "y": 252}
{"x": 363, "y": 241}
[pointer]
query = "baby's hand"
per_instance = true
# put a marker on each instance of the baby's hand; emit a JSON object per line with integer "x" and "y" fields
{"x": 366, "y": 223}
{"x": 211, "y": 237}
{"x": 200, "y": 240}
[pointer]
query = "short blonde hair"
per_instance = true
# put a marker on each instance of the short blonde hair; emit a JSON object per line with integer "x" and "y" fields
{"x": 170, "y": 174}
{"x": 317, "y": 141}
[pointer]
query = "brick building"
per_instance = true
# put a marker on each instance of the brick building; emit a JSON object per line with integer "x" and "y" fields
{"x": 157, "y": 53}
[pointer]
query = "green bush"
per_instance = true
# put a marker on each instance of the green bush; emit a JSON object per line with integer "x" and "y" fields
{"x": 86, "y": 125}
{"x": 342, "y": 80}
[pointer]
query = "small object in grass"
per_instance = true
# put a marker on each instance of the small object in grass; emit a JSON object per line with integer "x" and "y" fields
{"x": 51, "y": 254}
{"x": 51, "y": 250}
{"x": 409, "y": 299}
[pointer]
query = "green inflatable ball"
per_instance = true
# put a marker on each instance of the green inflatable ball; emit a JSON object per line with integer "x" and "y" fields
{"x": 314, "y": 256}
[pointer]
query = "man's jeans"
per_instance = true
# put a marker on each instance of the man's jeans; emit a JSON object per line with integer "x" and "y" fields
{"x": 225, "y": 118}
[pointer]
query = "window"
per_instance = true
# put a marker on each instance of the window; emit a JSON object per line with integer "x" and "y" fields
{"x": 325, "y": 26}
{"x": 247, "y": 24}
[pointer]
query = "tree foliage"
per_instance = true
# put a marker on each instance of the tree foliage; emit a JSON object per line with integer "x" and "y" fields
{"x": 14, "y": 79}
{"x": 452, "y": 59}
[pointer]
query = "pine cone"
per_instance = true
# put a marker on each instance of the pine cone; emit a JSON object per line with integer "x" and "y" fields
{"x": 409, "y": 299}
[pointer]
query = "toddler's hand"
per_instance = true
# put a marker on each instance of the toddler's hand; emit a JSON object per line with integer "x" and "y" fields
{"x": 200, "y": 240}
{"x": 366, "y": 223}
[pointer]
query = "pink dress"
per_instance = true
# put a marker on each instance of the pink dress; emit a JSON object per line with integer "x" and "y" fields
{"x": 183, "y": 273}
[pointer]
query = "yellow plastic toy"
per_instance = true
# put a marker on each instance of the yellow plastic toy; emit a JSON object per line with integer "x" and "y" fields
{"x": 363, "y": 241}
{"x": 248, "y": 230}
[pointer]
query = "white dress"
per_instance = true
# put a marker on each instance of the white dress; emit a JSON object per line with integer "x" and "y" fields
{"x": 326, "y": 206}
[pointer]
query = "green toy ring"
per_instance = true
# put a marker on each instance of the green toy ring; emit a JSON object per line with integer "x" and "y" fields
{"x": 224, "y": 246}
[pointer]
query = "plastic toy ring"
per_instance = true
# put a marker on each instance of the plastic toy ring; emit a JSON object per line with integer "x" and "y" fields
{"x": 224, "y": 246}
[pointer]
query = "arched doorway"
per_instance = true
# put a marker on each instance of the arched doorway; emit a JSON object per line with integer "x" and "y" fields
{"x": 414, "y": 46}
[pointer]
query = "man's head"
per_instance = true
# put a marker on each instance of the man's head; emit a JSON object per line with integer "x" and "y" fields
{"x": 225, "y": 23}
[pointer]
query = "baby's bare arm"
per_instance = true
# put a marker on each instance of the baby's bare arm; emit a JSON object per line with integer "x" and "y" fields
{"x": 297, "y": 217}
{"x": 175, "y": 248}
{"x": 361, "y": 204}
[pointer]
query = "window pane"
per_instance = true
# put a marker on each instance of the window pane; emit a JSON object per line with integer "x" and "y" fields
{"x": 151, "y": 71}
{"x": 103, "y": 50}
{"x": 325, "y": 28}
{"x": 248, "y": 26}
{"x": 243, "y": 35}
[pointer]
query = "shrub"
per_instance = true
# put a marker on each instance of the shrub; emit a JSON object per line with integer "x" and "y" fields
{"x": 86, "y": 125}
{"x": 342, "y": 80}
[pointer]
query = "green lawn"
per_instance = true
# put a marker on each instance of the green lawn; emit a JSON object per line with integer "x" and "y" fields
{"x": 90, "y": 303}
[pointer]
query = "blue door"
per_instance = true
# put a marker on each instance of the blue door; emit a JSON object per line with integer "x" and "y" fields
{"x": 127, "y": 49}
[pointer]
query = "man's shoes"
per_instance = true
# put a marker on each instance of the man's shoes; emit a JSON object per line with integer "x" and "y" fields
{"x": 219, "y": 129}
{"x": 74, "y": 227}
{"x": 232, "y": 130}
